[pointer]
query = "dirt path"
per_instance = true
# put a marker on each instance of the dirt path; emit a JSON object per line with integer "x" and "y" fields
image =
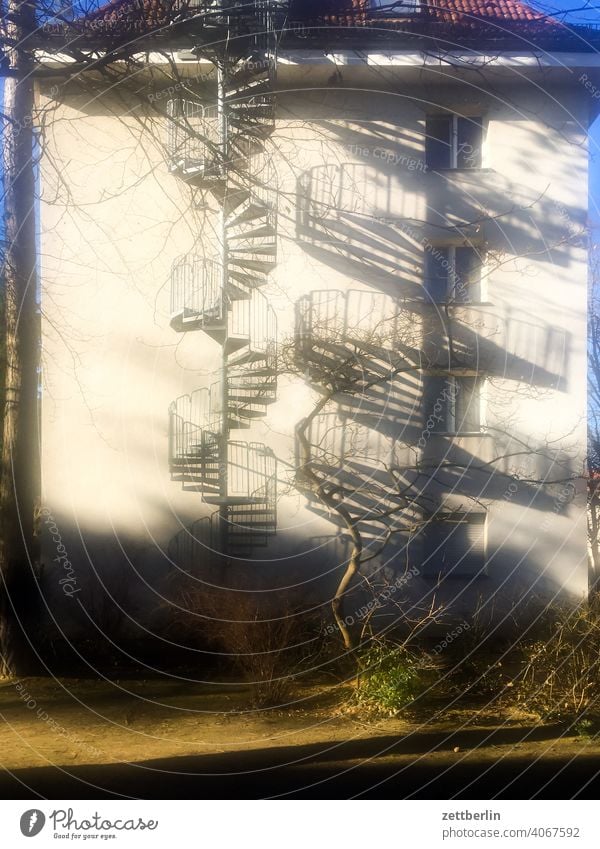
{"x": 157, "y": 739}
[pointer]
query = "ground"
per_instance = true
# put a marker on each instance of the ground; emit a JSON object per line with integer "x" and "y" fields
{"x": 75, "y": 738}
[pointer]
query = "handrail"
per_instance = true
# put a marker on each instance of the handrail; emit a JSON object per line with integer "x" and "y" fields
{"x": 192, "y": 134}
{"x": 196, "y": 288}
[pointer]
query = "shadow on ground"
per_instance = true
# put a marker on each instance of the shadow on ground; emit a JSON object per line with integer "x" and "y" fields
{"x": 418, "y": 765}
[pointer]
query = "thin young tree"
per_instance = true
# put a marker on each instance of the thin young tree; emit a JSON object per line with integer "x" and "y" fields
{"x": 19, "y": 465}
{"x": 594, "y": 421}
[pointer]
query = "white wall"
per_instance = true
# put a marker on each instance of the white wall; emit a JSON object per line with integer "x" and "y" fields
{"x": 114, "y": 219}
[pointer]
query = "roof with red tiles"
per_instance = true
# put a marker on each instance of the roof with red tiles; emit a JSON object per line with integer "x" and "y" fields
{"x": 437, "y": 10}
{"x": 499, "y": 10}
{"x": 124, "y": 18}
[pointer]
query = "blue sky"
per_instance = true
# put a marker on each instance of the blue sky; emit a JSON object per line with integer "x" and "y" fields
{"x": 580, "y": 11}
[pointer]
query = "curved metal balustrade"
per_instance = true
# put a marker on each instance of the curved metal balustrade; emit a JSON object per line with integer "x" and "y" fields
{"x": 249, "y": 26}
{"x": 253, "y": 331}
{"x": 251, "y": 221}
{"x": 194, "y": 432}
{"x": 193, "y": 140}
{"x": 239, "y": 318}
{"x": 197, "y": 448}
{"x": 251, "y": 388}
{"x": 211, "y": 539}
{"x": 191, "y": 549}
{"x": 197, "y": 297}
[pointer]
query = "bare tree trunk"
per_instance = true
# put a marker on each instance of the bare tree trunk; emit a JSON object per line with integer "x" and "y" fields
{"x": 593, "y": 511}
{"x": 337, "y": 603}
{"x": 353, "y": 567}
{"x": 19, "y": 474}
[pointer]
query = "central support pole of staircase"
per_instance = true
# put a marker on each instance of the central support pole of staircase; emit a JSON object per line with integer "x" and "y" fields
{"x": 224, "y": 452}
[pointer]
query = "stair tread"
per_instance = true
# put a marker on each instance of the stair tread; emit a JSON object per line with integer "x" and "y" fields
{"x": 255, "y": 281}
{"x": 253, "y": 264}
{"x": 267, "y": 251}
{"x": 251, "y": 414}
{"x": 256, "y": 233}
{"x": 235, "y": 393}
{"x": 253, "y": 210}
{"x": 247, "y": 88}
{"x": 262, "y": 371}
{"x": 261, "y": 399}
{"x": 249, "y": 356}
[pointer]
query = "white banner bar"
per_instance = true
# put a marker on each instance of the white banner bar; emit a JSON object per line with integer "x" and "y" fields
{"x": 291, "y": 824}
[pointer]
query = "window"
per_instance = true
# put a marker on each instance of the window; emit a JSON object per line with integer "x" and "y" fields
{"x": 453, "y": 545}
{"x": 453, "y": 142}
{"x": 395, "y": 9}
{"x": 453, "y": 274}
{"x": 452, "y": 404}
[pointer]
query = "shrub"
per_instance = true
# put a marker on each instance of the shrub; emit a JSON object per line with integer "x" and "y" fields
{"x": 390, "y": 677}
{"x": 267, "y": 642}
{"x": 562, "y": 665}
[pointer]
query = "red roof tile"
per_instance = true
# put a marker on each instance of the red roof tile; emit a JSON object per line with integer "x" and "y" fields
{"x": 501, "y": 10}
{"x": 351, "y": 11}
{"x": 128, "y": 17}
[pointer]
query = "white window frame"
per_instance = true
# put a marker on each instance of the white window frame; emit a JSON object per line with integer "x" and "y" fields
{"x": 454, "y": 146}
{"x": 451, "y": 280}
{"x": 454, "y": 151}
{"x": 451, "y": 288}
{"x": 454, "y": 142}
{"x": 451, "y": 422}
{"x": 450, "y": 409}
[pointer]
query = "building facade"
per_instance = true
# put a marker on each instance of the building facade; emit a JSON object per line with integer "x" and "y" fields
{"x": 316, "y": 284}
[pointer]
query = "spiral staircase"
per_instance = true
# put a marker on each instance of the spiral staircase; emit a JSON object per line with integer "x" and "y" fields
{"x": 219, "y": 147}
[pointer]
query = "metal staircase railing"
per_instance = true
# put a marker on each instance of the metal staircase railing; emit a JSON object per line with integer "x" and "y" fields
{"x": 192, "y": 418}
{"x": 220, "y": 146}
{"x": 252, "y": 387}
{"x": 253, "y": 327}
{"x": 251, "y": 221}
{"x": 239, "y": 318}
{"x": 196, "y": 432}
{"x": 251, "y": 525}
{"x": 209, "y": 539}
{"x": 193, "y": 141}
{"x": 192, "y": 548}
{"x": 197, "y": 297}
